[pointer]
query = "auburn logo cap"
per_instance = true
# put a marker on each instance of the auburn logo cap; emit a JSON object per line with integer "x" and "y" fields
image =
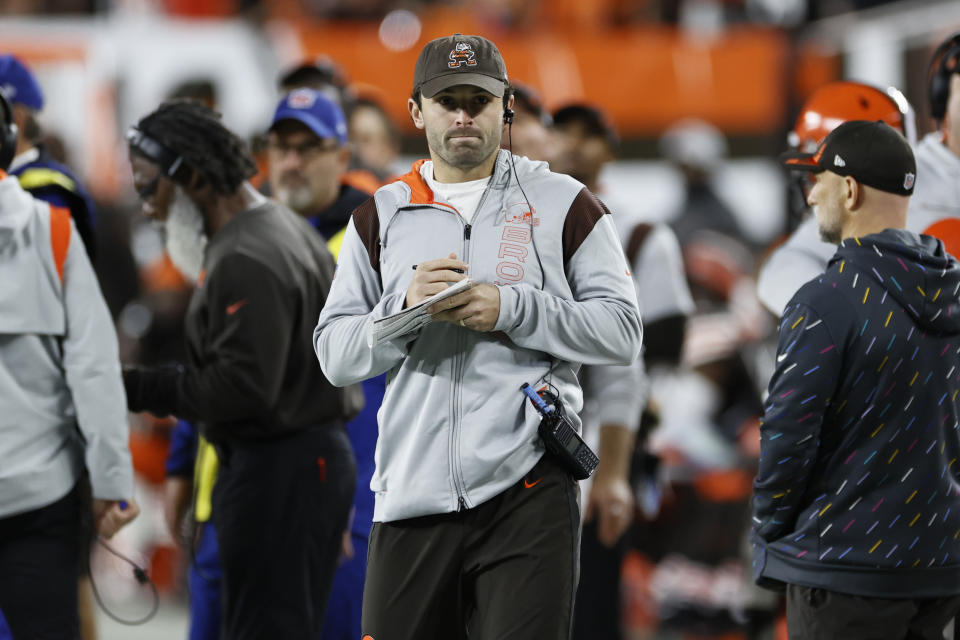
{"x": 460, "y": 59}
{"x": 872, "y": 153}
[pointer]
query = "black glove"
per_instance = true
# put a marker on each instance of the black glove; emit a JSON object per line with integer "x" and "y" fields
{"x": 152, "y": 389}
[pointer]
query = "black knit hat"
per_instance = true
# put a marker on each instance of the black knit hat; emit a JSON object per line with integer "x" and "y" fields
{"x": 459, "y": 59}
{"x": 872, "y": 153}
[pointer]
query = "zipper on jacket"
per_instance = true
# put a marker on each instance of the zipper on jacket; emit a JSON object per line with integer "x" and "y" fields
{"x": 458, "y": 363}
{"x": 455, "y": 400}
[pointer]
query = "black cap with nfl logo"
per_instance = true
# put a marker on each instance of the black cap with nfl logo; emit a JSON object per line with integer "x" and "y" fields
{"x": 460, "y": 59}
{"x": 872, "y": 153}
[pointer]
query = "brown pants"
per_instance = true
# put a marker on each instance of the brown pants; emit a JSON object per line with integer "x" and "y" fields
{"x": 818, "y": 614}
{"x": 506, "y": 569}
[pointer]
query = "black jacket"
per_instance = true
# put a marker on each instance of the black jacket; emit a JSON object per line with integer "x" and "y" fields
{"x": 251, "y": 369}
{"x": 857, "y": 488}
{"x": 334, "y": 219}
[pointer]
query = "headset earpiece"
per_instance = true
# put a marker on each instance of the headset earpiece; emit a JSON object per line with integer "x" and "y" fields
{"x": 8, "y": 134}
{"x": 507, "y": 115}
{"x": 938, "y": 75}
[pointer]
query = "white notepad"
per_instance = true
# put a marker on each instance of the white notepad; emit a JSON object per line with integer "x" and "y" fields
{"x": 411, "y": 318}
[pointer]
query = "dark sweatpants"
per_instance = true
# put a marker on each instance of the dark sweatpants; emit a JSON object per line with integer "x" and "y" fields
{"x": 505, "y": 570}
{"x": 279, "y": 508}
{"x": 818, "y": 614}
{"x": 39, "y": 569}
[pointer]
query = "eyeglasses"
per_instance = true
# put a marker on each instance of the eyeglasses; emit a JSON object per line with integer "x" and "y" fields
{"x": 310, "y": 149}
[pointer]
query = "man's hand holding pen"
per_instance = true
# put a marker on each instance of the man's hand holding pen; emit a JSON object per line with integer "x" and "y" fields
{"x": 477, "y": 308}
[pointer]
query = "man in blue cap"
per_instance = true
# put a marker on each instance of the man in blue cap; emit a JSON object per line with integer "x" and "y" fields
{"x": 33, "y": 166}
{"x": 308, "y": 155}
{"x": 308, "y": 158}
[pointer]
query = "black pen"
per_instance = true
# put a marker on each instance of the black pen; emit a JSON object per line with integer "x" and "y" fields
{"x": 454, "y": 270}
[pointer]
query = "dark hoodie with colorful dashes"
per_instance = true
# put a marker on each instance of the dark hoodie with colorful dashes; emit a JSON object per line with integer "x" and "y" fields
{"x": 857, "y": 489}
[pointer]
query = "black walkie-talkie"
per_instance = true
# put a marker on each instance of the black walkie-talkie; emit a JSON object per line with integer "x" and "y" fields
{"x": 561, "y": 438}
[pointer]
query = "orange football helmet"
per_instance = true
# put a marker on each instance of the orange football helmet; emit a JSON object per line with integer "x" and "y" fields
{"x": 838, "y": 102}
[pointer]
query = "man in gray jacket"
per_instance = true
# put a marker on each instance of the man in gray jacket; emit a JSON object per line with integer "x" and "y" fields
{"x": 62, "y": 408}
{"x": 474, "y": 526}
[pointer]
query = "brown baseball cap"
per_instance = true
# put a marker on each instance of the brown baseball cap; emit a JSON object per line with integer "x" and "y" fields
{"x": 460, "y": 59}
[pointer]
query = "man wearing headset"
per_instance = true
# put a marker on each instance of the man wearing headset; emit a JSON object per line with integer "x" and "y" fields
{"x": 63, "y": 410}
{"x": 286, "y": 472}
{"x": 935, "y": 207}
{"x": 474, "y": 526}
{"x": 41, "y": 175}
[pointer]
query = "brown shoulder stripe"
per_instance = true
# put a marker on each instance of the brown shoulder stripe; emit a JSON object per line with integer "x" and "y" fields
{"x": 584, "y": 212}
{"x": 367, "y": 222}
{"x": 637, "y": 237}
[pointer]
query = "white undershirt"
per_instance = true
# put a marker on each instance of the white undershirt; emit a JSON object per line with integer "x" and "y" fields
{"x": 464, "y": 196}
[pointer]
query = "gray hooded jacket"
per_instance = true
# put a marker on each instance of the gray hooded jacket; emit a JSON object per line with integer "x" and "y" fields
{"x": 59, "y": 363}
{"x": 455, "y": 430}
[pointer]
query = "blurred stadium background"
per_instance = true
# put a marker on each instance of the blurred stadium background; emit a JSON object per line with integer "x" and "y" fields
{"x": 742, "y": 65}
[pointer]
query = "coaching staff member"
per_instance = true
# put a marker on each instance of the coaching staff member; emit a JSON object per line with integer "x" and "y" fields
{"x": 286, "y": 475}
{"x": 473, "y": 526}
{"x": 62, "y": 412}
{"x": 857, "y": 504}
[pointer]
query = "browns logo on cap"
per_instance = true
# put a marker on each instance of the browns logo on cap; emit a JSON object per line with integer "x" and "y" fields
{"x": 460, "y": 59}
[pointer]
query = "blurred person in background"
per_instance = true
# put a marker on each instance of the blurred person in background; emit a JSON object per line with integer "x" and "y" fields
{"x": 935, "y": 205}
{"x": 38, "y": 172}
{"x": 696, "y": 148}
{"x": 190, "y": 473}
{"x": 44, "y": 176}
{"x": 321, "y": 74}
{"x": 307, "y": 143}
{"x": 850, "y": 463}
{"x": 285, "y": 474}
{"x": 475, "y": 527}
{"x": 308, "y": 157}
{"x": 328, "y": 77}
{"x": 804, "y": 255}
{"x": 374, "y": 139}
{"x": 530, "y": 134}
{"x": 614, "y": 396}
{"x": 65, "y": 468}
{"x": 688, "y": 555}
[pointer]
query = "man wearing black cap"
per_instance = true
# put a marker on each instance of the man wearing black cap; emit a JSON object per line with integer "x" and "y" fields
{"x": 856, "y": 501}
{"x": 475, "y": 528}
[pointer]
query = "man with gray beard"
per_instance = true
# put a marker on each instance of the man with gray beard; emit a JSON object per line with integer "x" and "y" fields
{"x": 286, "y": 473}
{"x": 307, "y": 149}
{"x": 308, "y": 158}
